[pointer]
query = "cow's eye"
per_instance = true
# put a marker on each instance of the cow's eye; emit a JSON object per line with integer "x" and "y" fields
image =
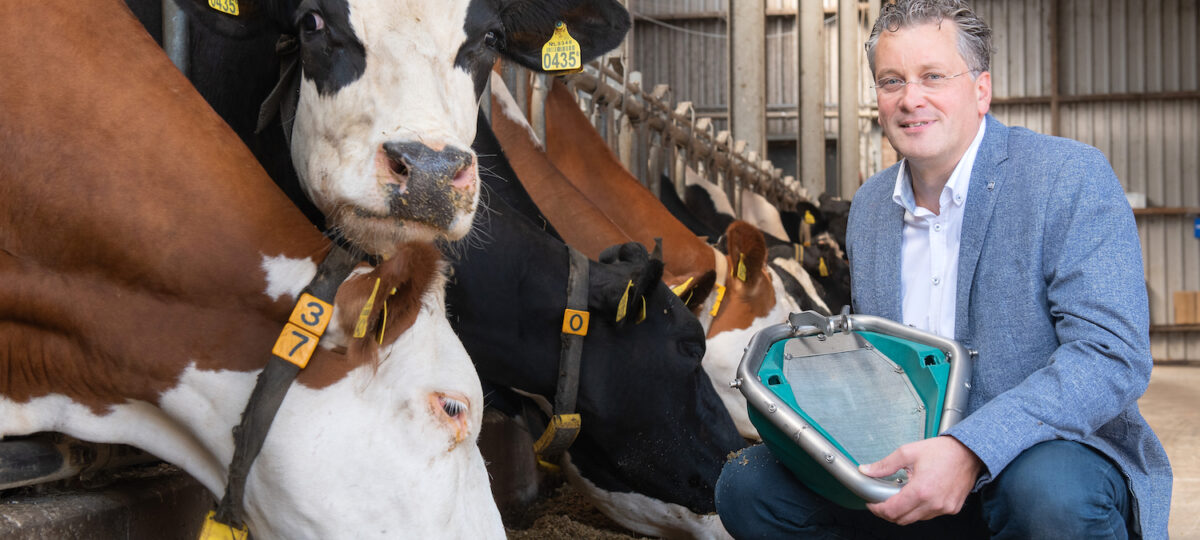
{"x": 491, "y": 39}
{"x": 452, "y": 407}
{"x": 312, "y": 22}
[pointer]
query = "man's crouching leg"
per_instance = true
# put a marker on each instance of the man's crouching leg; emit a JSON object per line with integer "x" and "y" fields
{"x": 1058, "y": 489}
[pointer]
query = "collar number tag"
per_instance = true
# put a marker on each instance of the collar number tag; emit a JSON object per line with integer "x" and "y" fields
{"x": 212, "y": 530}
{"x": 561, "y": 53}
{"x": 575, "y": 322}
{"x": 312, "y": 314}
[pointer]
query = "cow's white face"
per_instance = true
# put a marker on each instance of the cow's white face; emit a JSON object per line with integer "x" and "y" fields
{"x": 387, "y": 453}
{"x": 386, "y": 116}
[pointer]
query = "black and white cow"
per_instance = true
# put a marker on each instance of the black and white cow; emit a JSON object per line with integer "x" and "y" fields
{"x": 654, "y": 432}
{"x": 379, "y": 112}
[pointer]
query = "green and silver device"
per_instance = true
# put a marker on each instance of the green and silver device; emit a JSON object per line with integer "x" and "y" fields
{"x": 830, "y": 393}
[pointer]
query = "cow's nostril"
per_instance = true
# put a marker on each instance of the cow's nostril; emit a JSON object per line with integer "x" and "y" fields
{"x": 398, "y": 166}
{"x": 465, "y": 179}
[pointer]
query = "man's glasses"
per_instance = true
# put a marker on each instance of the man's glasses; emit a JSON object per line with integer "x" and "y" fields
{"x": 930, "y": 82}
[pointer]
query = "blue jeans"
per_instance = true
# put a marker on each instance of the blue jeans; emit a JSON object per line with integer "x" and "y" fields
{"x": 1055, "y": 490}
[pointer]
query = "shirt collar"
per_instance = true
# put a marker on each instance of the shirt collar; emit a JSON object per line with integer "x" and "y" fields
{"x": 955, "y": 192}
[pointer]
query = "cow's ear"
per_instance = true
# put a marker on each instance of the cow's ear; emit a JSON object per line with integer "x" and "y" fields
{"x": 620, "y": 284}
{"x": 376, "y": 307}
{"x": 598, "y": 26}
{"x": 694, "y": 288}
{"x": 240, "y": 18}
{"x": 747, "y": 252}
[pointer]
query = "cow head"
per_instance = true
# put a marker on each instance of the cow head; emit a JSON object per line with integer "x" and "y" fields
{"x": 388, "y": 91}
{"x": 754, "y": 299}
{"x": 380, "y": 440}
{"x": 652, "y": 425}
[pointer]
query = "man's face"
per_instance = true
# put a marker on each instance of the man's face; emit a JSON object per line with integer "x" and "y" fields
{"x": 931, "y": 128}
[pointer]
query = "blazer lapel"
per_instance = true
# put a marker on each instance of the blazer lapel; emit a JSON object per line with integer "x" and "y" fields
{"x": 887, "y": 257}
{"x": 888, "y": 227}
{"x": 986, "y": 182}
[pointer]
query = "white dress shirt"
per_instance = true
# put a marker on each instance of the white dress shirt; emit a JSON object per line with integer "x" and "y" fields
{"x": 929, "y": 250}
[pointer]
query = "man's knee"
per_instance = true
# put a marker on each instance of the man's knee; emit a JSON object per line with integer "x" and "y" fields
{"x": 1057, "y": 489}
{"x": 740, "y": 488}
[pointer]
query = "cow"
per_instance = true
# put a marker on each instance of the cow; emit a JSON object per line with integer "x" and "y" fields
{"x": 675, "y": 205}
{"x": 837, "y": 212}
{"x": 821, "y": 258}
{"x": 795, "y": 279}
{"x": 369, "y": 105}
{"x": 758, "y": 211}
{"x": 147, "y": 265}
{"x": 729, "y": 314}
{"x": 648, "y": 454}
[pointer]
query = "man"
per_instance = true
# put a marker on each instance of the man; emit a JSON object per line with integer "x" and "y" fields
{"x": 1022, "y": 247}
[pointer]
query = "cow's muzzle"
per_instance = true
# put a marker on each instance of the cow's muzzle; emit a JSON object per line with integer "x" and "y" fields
{"x": 429, "y": 186}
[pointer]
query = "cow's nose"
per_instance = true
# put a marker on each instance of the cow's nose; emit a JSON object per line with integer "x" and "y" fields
{"x": 414, "y": 160}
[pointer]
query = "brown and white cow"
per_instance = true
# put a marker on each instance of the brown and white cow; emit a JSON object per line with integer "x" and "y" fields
{"x": 147, "y": 264}
{"x": 376, "y": 98}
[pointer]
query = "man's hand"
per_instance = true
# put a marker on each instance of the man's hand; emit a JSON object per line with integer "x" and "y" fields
{"x": 941, "y": 473}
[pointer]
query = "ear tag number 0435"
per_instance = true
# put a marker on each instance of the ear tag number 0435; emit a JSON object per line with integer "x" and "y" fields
{"x": 225, "y": 6}
{"x": 561, "y": 54}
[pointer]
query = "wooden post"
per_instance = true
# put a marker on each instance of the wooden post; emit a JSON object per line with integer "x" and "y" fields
{"x": 811, "y": 142}
{"x": 747, "y": 72}
{"x": 848, "y": 46}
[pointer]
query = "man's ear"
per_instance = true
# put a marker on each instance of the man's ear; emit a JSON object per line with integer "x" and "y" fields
{"x": 983, "y": 92}
{"x": 598, "y": 26}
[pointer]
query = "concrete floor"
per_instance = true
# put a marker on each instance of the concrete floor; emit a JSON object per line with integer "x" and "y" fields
{"x": 1172, "y": 407}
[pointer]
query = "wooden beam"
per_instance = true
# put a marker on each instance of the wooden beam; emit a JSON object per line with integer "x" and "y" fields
{"x": 1167, "y": 211}
{"x": 1181, "y": 95}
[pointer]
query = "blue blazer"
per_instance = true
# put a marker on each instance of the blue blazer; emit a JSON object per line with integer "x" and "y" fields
{"x": 1050, "y": 292}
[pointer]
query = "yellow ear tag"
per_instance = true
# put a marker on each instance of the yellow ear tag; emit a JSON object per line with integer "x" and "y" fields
{"x": 561, "y": 53}
{"x": 225, "y": 6}
{"x": 220, "y": 531}
{"x": 360, "y": 327}
{"x": 642, "y": 313}
{"x": 741, "y": 269}
{"x": 824, "y": 270}
{"x": 624, "y": 305}
{"x": 808, "y": 218}
{"x": 717, "y": 305}
{"x": 382, "y": 323}
{"x": 678, "y": 289}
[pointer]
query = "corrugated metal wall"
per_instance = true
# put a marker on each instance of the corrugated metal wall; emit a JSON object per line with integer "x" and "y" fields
{"x": 1129, "y": 74}
{"x": 683, "y": 43}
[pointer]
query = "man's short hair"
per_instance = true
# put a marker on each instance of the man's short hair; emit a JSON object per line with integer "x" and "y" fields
{"x": 974, "y": 35}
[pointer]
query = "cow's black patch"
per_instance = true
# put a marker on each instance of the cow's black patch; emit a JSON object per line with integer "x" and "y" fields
{"x": 518, "y": 29}
{"x": 330, "y": 52}
{"x": 485, "y": 37}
